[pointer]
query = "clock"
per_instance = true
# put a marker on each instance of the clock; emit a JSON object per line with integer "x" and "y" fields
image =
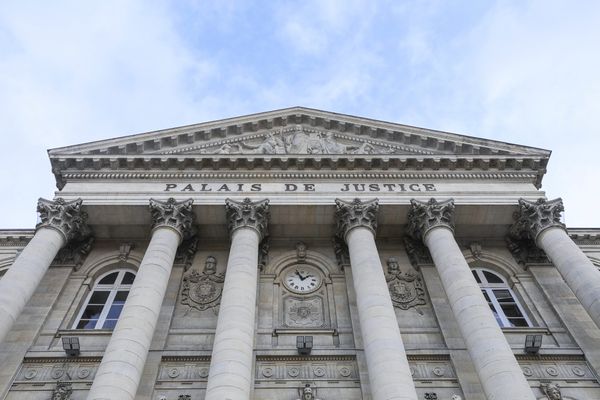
{"x": 302, "y": 279}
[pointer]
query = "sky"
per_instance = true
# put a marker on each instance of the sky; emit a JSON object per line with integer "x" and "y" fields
{"x": 524, "y": 72}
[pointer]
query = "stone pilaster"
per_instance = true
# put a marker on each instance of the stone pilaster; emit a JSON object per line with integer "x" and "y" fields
{"x": 121, "y": 368}
{"x": 540, "y": 222}
{"x": 494, "y": 361}
{"x": 230, "y": 376}
{"x": 389, "y": 373}
{"x": 61, "y": 221}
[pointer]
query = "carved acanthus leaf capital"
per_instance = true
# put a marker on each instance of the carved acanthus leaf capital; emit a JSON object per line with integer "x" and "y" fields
{"x": 356, "y": 213}
{"x": 248, "y": 213}
{"x": 67, "y": 217}
{"x": 173, "y": 214}
{"x": 535, "y": 217}
{"x": 424, "y": 216}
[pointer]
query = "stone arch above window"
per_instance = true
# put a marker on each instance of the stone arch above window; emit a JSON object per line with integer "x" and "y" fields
{"x": 502, "y": 301}
{"x": 104, "y": 303}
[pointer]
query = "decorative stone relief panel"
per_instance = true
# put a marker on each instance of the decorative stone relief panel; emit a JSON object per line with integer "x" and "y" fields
{"x": 338, "y": 368}
{"x": 57, "y": 369}
{"x": 555, "y": 368}
{"x": 303, "y": 312}
{"x": 183, "y": 369}
{"x": 406, "y": 288}
{"x": 423, "y": 367}
{"x": 202, "y": 290}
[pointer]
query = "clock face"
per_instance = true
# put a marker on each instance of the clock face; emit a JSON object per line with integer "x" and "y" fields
{"x": 302, "y": 279}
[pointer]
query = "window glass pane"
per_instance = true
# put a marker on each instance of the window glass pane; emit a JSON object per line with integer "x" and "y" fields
{"x": 511, "y": 311}
{"x": 518, "y": 322}
{"x": 503, "y": 296}
{"x": 87, "y": 324}
{"x": 99, "y": 297}
{"x": 114, "y": 311}
{"x": 92, "y": 312}
{"x": 492, "y": 278}
{"x": 109, "y": 279}
{"x": 109, "y": 324}
{"x": 476, "y": 276}
{"x": 128, "y": 278}
{"x": 120, "y": 297}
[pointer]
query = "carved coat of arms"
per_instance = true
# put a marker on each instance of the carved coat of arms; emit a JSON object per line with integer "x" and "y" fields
{"x": 406, "y": 288}
{"x": 304, "y": 313}
{"x": 202, "y": 290}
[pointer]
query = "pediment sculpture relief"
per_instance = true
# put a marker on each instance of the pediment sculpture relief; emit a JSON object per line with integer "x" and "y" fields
{"x": 202, "y": 290}
{"x": 299, "y": 141}
{"x": 406, "y": 288}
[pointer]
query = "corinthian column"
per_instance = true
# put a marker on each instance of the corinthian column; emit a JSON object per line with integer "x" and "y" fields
{"x": 230, "y": 376}
{"x": 61, "y": 221}
{"x": 496, "y": 365}
{"x": 389, "y": 372}
{"x": 121, "y": 368}
{"x": 540, "y": 222}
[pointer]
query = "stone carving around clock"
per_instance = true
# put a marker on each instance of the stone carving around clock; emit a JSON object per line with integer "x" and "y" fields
{"x": 303, "y": 312}
{"x": 406, "y": 288}
{"x": 202, "y": 290}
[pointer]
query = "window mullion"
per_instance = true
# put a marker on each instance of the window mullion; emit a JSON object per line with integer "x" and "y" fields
{"x": 107, "y": 305}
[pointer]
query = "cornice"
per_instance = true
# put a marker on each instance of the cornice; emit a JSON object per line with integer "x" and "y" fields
{"x": 15, "y": 238}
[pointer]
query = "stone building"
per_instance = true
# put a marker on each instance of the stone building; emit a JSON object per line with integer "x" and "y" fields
{"x": 299, "y": 254}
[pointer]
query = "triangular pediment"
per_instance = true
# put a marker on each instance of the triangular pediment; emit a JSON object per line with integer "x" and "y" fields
{"x": 296, "y": 138}
{"x": 293, "y": 131}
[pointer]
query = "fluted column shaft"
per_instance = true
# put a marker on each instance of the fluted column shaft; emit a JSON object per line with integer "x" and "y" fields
{"x": 495, "y": 363}
{"x": 389, "y": 373}
{"x": 121, "y": 367}
{"x": 540, "y": 221}
{"x": 61, "y": 221}
{"x": 230, "y": 375}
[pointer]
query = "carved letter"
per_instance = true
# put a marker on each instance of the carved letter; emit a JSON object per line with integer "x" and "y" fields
{"x": 290, "y": 187}
{"x": 170, "y": 186}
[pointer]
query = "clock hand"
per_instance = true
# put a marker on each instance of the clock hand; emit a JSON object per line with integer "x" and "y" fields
{"x": 300, "y": 276}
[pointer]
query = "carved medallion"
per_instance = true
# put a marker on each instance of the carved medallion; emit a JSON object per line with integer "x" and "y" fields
{"x": 303, "y": 313}
{"x": 203, "y": 290}
{"x": 406, "y": 288}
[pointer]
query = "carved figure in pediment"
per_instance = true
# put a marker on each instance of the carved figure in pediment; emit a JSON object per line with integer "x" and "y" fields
{"x": 406, "y": 288}
{"x": 307, "y": 393}
{"x": 62, "y": 391}
{"x": 224, "y": 149}
{"x": 272, "y": 144}
{"x": 203, "y": 290}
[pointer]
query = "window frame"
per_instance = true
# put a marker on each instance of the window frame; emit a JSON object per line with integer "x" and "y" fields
{"x": 113, "y": 289}
{"x": 489, "y": 288}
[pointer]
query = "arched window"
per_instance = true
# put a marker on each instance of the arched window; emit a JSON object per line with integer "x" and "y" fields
{"x": 104, "y": 304}
{"x": 501, "y": 299}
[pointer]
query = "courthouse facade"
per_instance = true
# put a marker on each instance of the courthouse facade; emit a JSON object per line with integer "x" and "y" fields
{"x": 299, "y": 254}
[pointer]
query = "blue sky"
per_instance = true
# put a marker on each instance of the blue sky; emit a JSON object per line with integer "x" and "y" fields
{"x": 524, "y": 72}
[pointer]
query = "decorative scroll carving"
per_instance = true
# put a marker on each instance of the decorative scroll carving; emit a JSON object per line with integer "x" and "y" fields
{"x": 552, "y": 391}
{"x": 248, "y": 214}
{"x": 62, "y": 391}
{"x": 174, "y": 214}
{"x": 535, "y": 217}
{"x": 431, "y": 396}
{"x": 186, "y": 252}
{"x": 526, "y": 252}
{"x": 341, "y": 252}
{"x": 299, "y": 140}
{"x": 203, "y": 290}
{"x": 356, "y": 213}
{"x": 406, "y": 288}
{"x": 424, "y": 216}
{"x": 75, "y": 252}
{"x": 263, "y": 253}
{"x": 417, "y": 252}
{"x": 124, "y": 250}
{"x": 303, "y": 313}
{"x": 307, "y": 393}
{"x": 67, "y": 217}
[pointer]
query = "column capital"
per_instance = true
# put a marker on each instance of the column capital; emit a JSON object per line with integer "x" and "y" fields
{"x": 174, "y": 214}
{"x": 248, "y": 213}
{"x": 66, "y": 217}
{"x": 534, "y": 217}
{"x": 354, "y": 214}
{"x": 423, "y": 217}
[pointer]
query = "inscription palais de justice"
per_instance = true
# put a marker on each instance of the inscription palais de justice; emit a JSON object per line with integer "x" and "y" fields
{"x": 299, "y": 187}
